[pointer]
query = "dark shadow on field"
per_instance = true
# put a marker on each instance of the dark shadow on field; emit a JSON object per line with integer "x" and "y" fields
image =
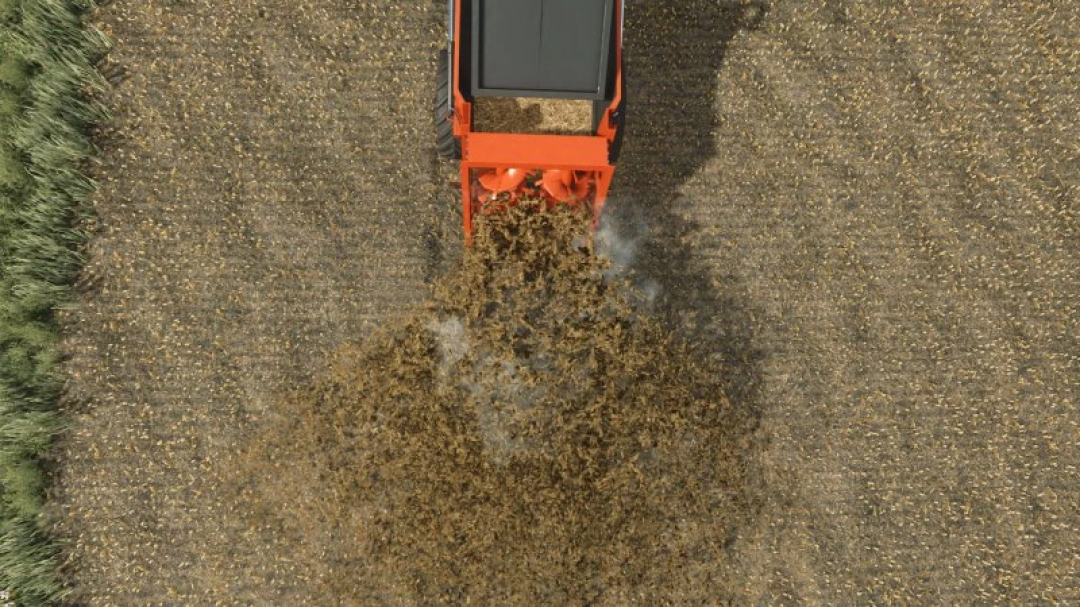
{"x": 673, "y": 52}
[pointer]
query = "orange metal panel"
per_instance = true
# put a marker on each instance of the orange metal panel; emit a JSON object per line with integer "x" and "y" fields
{"x": 546, "y": 151}
{"x": 603, "y": 184}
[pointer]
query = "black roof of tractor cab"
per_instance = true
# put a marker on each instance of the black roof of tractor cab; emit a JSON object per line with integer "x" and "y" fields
{"x": 542, "y": 48}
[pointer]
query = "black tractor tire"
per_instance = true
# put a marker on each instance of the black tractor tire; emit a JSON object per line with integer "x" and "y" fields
{"x": 447, "y": 145}
{"x": 620, "y": 133}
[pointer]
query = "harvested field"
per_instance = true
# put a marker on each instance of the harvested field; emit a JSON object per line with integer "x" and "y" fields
{"x": 865, "y": 219}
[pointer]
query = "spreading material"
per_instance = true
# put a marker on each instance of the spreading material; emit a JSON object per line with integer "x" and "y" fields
{"x": 532, "y": 115}
{"x": 528, "y": 437}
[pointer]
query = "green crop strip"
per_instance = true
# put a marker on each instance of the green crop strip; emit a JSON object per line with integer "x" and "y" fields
{"x": 47, "y": 86}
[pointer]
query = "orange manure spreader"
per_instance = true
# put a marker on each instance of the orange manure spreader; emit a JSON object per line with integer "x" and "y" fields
{"x": 564, "y": 50}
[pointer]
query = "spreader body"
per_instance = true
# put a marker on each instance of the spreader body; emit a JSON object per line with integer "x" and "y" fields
{"x": 557, "y": 49}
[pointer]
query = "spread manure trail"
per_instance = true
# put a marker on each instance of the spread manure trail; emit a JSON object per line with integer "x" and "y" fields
{"x": 529, "y": 435}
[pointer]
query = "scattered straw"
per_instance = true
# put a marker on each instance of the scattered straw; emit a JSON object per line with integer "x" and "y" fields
{"x": 529, "y": 437}
{"x": 532, "y": 115}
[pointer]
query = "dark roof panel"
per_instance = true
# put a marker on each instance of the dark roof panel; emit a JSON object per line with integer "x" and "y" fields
{"x": 541, "y": 47}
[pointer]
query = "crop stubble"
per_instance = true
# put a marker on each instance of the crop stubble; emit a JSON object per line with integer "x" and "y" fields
{"x": 870, "y": 211}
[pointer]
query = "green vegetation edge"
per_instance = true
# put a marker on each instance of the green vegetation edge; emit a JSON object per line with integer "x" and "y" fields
{"x": 48, "y": 85}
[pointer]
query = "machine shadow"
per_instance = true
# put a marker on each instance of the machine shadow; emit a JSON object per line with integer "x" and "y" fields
{"x": 673, "y": 52}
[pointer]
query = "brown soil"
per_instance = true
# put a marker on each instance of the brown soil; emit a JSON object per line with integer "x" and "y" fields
{"x": 530, "y": 115}
{"x": 862, "y": 216}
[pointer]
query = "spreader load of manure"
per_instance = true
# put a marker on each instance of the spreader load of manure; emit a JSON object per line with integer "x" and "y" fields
{"x": 528, "y": 436}
{"x": 532, "y": 115}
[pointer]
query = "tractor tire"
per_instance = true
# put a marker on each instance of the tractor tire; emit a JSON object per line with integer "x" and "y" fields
{"x": 616, "y": 145}
{"x": 445, "y": 142}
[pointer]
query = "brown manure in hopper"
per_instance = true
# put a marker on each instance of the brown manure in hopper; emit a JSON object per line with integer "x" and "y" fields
{"x": 532, "y": 115}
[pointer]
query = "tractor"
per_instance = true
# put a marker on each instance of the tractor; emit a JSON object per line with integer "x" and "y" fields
{"x": 548, "y": 49}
